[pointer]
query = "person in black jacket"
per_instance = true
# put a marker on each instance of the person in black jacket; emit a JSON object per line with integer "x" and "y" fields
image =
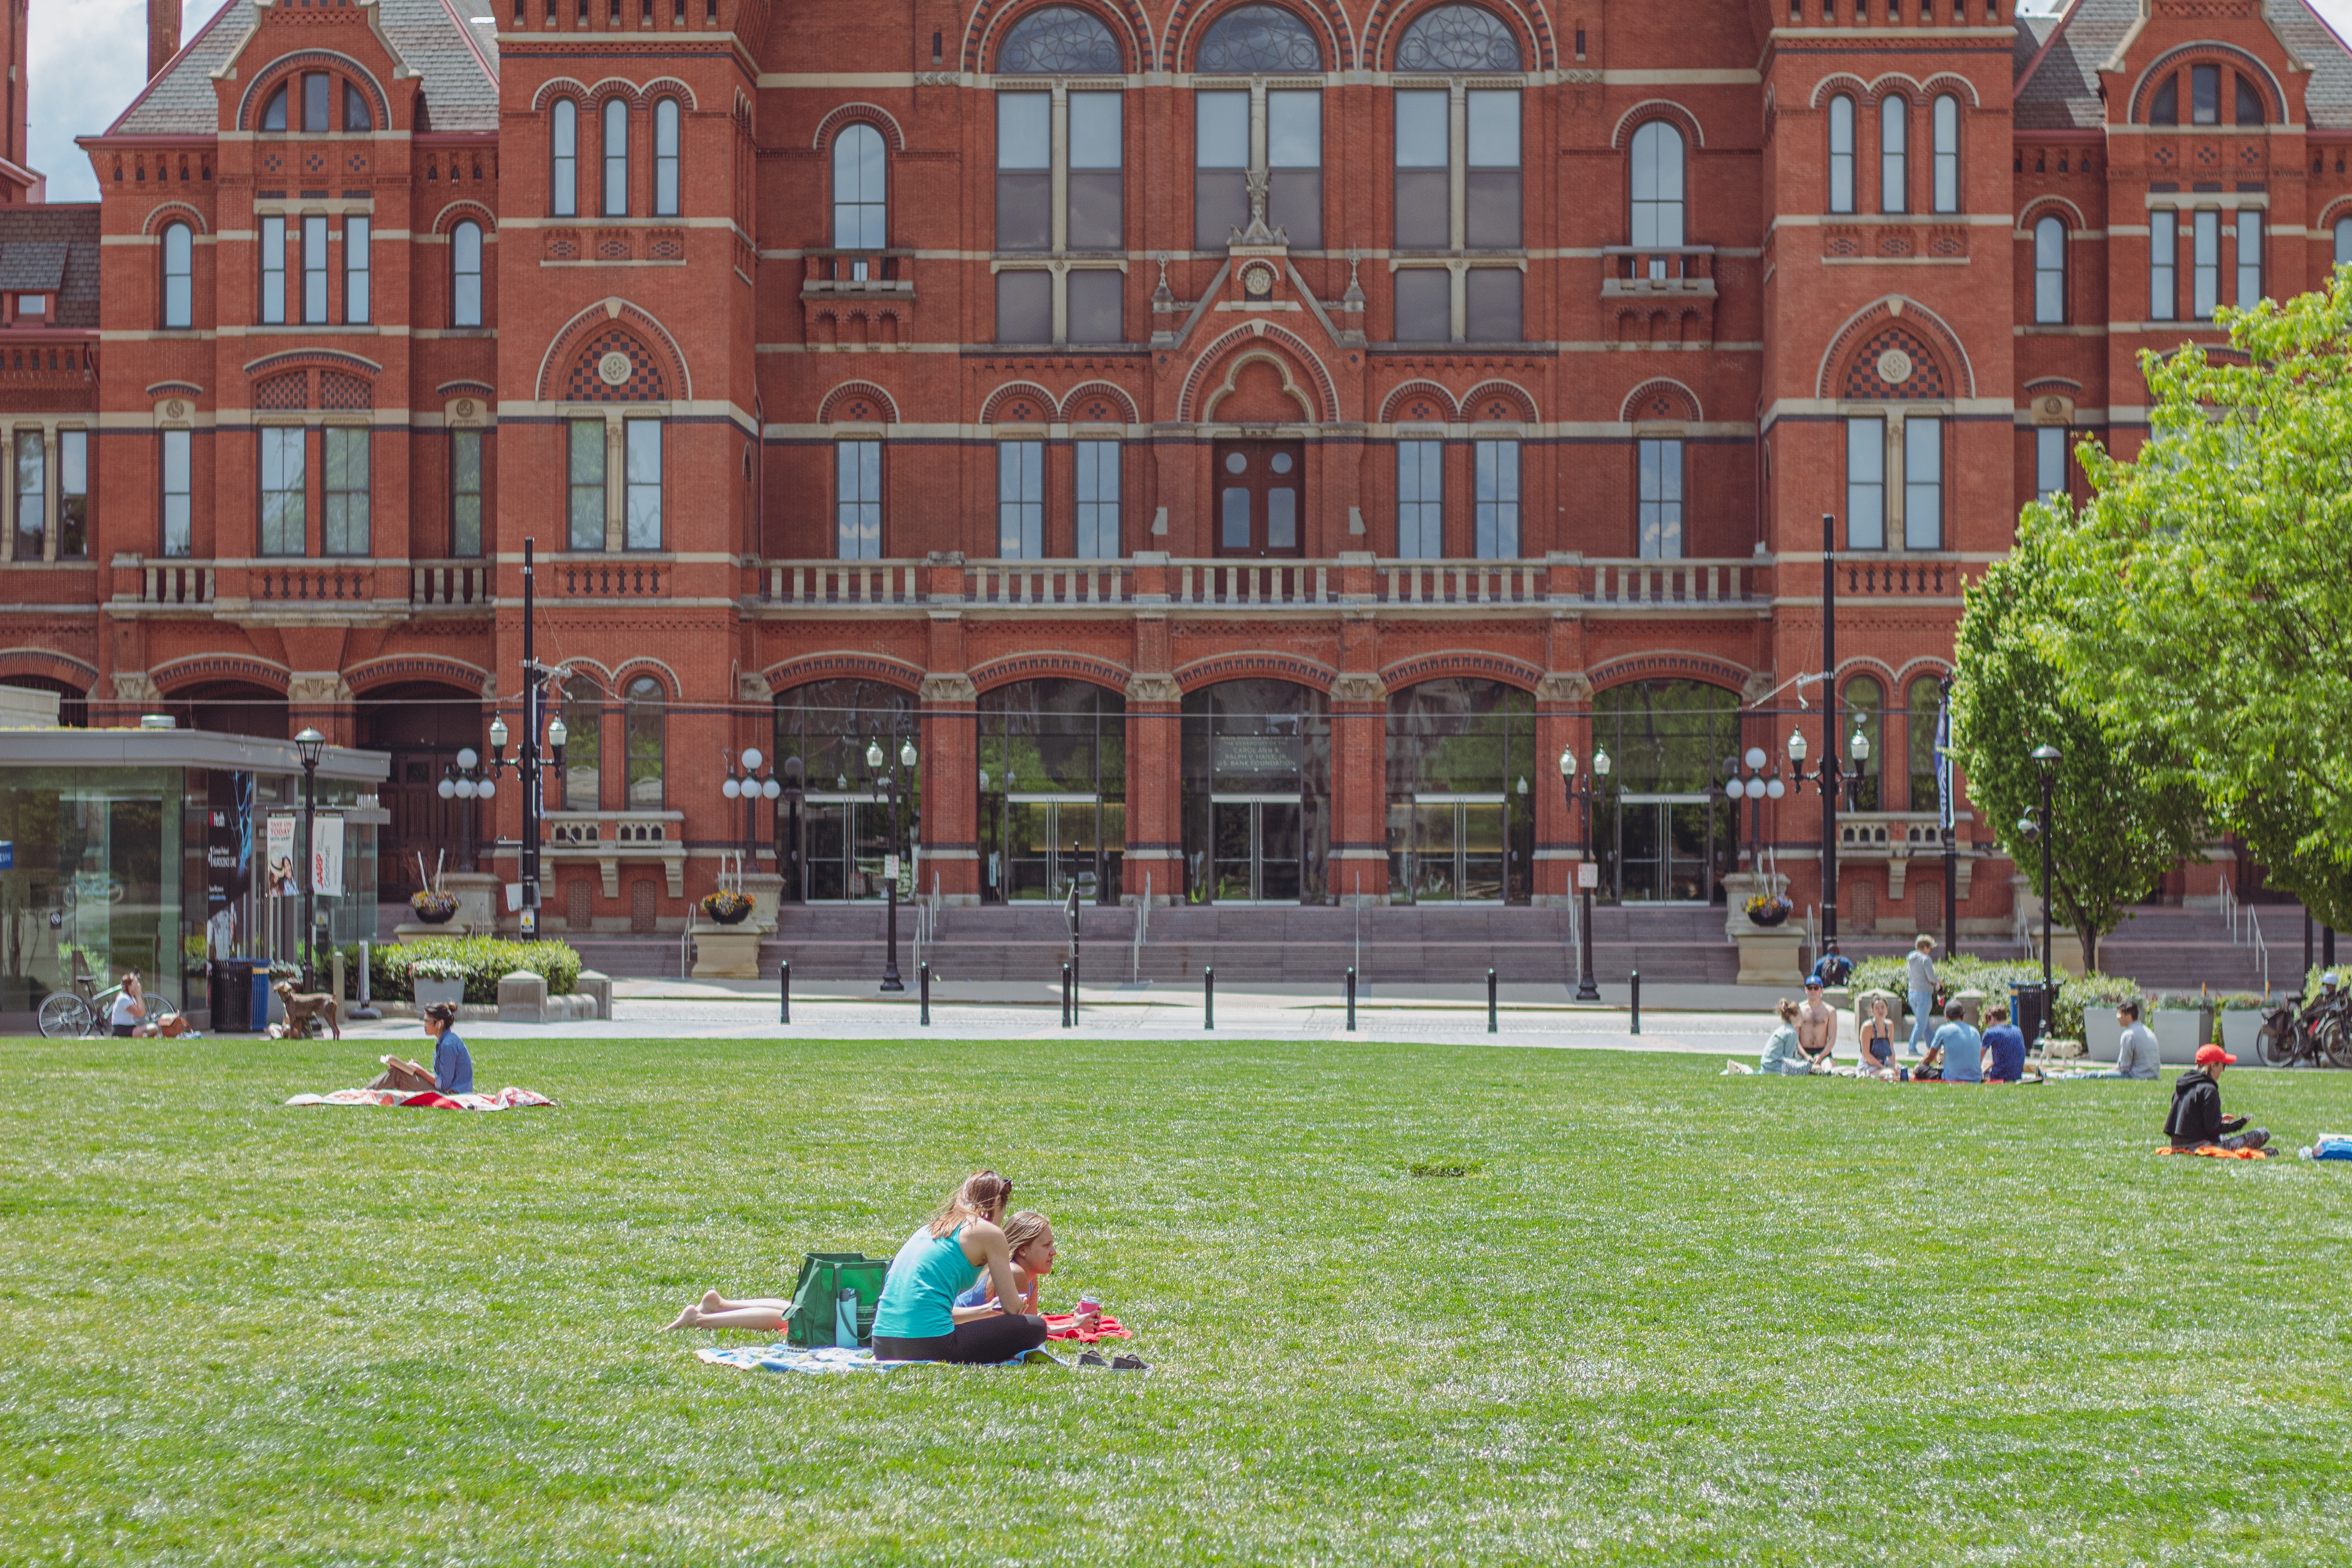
{"x": 2196, "y": 1119}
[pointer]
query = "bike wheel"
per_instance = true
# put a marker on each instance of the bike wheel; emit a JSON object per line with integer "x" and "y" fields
{"x": 2274, "y": 1046}
{"x": 160, "y": 1007}
{"x": 2336, "y": 1042}
{"x": 66, "y": 1017}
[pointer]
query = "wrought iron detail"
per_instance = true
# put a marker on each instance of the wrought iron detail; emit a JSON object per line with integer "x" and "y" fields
{"x": 1459, "y": 38}
{"x": 1060, "y": 40}
{"x": 1259, "y": 40}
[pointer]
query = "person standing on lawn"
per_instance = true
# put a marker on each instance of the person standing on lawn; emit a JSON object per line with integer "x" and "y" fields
{"x": 1816, "y": 1028}
{"x": 2136, "y": 1053}
{"x": 1961, "y": 1046}
{"x": 2196, "y": 1119}
{"x": 453, "y": 1064}
{"x": 2004, "y": 1046}
{"x": 1919, "y": 979}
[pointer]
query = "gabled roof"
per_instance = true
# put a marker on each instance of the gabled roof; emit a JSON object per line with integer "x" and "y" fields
{"x": 2058, "y": 80}
{"x": 437, "y": 38}
{"x": 53, "y": 247}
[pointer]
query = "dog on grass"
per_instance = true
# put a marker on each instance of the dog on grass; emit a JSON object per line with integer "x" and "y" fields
{"x": 302, "y": 1006}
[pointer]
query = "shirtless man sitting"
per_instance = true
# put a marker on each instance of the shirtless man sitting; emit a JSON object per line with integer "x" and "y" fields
{"x": 1816, "y": 1026}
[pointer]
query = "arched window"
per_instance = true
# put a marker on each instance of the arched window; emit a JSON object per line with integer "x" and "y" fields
{"x": 641, "y": 717}
{"x": 1866, "y": 703}
{"x": 860, "y": 191}
{"x": 2050, "y": 268}
{"x": 2343, "y": 240}
{"x": 666, "y": 158}
{"x": 583, "y": 743}
{"x": 563, "y": 184}
{"x": 1060, "y": 40}
{"x": 1459, "y": 38}
{"x": 616, "y": 158}
{"x": 1945, "y": 117}
{"x": 2164, "y": 109}
{"x": 179, "y": 276}
{"x": 1657, "y": 190}
{"x": 1841, "y": 153}
{"x": 1922, "y": 705}
{"x": 2249, "y": 103}
{"x": 1894, "y": 155}
{"x": 465, "y": 275}
{"x": 1258, "y": 40}
{"x": 355, "y": 109}
{"x": 273, "y": 114}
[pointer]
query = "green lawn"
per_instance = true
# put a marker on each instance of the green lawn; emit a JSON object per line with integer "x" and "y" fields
{"x": 1673, "y": 1317}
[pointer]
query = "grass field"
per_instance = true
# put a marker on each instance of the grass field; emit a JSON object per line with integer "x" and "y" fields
{"x": 1673, "y": 1317}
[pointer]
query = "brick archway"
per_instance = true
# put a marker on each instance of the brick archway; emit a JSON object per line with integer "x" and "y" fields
{"x": 578, "y": 346}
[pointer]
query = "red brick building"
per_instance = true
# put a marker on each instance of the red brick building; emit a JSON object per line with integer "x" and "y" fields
{"x": 1247, "y": 441}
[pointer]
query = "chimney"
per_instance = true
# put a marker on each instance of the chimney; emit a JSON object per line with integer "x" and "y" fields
{"x": 163, "y": 35}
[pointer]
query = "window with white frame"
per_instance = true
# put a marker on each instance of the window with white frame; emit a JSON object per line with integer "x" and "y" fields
{"x": 1865, "y": 483}
{"x": 178, "y": 493}
{"x": 1657, "y": 191}
{"x": 1894, "y": 480}
{"x": 2249, "y": 258}
{"x": 1923, "y": 483}
{"x": 2049, "y": 270}
{"x": 1841, "y": 153}
{"x": 465, "y": 275}
{"x": 585, "y": 485}
{"x": 285, "y": 501}
{"x": 1074, "y": 141}
{"x": 1660, "y": 523}
{"x": 179, "y": 275}
{"x": 1894, "y": 153}
{"x": 857, "y": 500}
{"x": 860, "y": 189}
{"x": 2049, "y": 461}
{"x": 1497, "y": 498}
{"x": 1457, "y": 177}
{"x": 73, "y": 495}
{"x": 273, "y": 270}
{"x": 32, "y": 495}
{"x": 1021, "y": 499}
{"x": 1097, "y": 499}
{"x": 564, "y": 175}
{"x": 666, "y": 130}
{"x": 1420, "y": 499}
{"x": 2205, "y": 256}
{"x": 343, "y": 490}
{"x": 616, "y": 158}
{"x": 357, "y": 303}
{"x": 641, "y": 455}
{"x": 1944, "y": 117}
{"x": 2163, "y": 265}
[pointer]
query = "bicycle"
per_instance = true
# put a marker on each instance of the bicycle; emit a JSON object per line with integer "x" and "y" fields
{"x": 2288, "y": 1037}
{"x": 82, "y": 1012}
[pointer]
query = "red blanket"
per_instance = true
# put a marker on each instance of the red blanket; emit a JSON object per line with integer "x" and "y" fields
{"x": 1063, "y": 1326}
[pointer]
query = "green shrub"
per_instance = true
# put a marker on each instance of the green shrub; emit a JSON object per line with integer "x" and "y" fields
{"x": 482, "y": 962}
{"x": 1995, "y": 977}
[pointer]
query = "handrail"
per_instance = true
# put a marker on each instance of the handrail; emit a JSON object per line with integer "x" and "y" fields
{"x": 2262, "y": 949}
{"x": 1142, "y": 924}
{"x": 2230, "y": 907}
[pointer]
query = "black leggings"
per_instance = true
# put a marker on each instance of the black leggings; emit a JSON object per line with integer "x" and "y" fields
{"x": 980, "y": 1342}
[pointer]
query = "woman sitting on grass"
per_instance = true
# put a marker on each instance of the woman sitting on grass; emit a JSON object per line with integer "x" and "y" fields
{"x": 1878, "y": 1041}
{"x": 1029, "y": 1238}
{"x": 919, "y": 1318}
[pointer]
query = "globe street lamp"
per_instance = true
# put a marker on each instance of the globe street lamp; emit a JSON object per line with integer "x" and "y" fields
{"x": 1757, "y": 785}
{"x": 1588, "y": 871}
{"x": 473, "y": 777}
{"x": 311, "y": 746}
{"x": 468, "y": 781}
{"x": 875, "y": 761}
{"x": 753, "y": 787}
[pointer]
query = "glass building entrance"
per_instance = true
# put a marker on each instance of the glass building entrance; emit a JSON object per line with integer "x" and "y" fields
{"x": 1257, "y": 788}
{"x": 832, "y": 825}
{"x": 1460, "y": 826}
{"x": 1053, "y": 792}
{"x": 1256, "y": 850}
{"x": 1447, "y": 849}
{"x": 1666, "y": 834}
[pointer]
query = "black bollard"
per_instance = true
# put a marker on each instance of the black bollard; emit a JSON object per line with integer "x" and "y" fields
{"x": 1351, "y": 998}
{"x": 784, "y": 988}
{"x": 1066, "y": 996}
{"x": 1208, "y": 996}
{"x": 1637, "y": 1001}
{"x": 1490, "y": 1002}
{"x": 924, "y": 969}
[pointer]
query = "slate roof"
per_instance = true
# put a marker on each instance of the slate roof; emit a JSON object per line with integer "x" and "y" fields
{"x": 2063, "y": 91}
{"x": 53, "y": 246}
{"x": 458, "y": 60}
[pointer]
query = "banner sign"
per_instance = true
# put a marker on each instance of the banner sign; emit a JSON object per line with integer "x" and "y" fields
{"x": 278, "y": 861}
{"x": 327, "y": 857}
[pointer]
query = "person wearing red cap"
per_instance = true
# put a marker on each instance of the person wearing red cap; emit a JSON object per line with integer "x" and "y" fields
{"x": 2196, "y": 1119}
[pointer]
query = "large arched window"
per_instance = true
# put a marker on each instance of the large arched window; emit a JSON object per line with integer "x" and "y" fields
{"x": 1258, "y": 40}
{"x": 1457, "y": 192}
{"x": 666, "y": 158}
{"x": 1459, "y": 38}
{"x": 1665, "y": 739}
{"x": 465, "y": 275}
{"x": 1461, "y": 805}
{"x": 1945, "y": 118}
{"x": 179, "y": 275}
{"x": 1894, "y": 155}
{"x": 1657, "y": 191}
{"x": 860, "y": 205}
{"x": 2050, "y": 268}
{"x": 642, "y": 712}
{"x": 1059, "y": 40}
{"x": 273, "y": 114}
{"x": 563, "y": 176}
{"x": 1924, "y": 706}
{"x": 1053, "y": 792}
{"x": 1841, "y": 153}
{"x": 583, "y": 743}
{"x": 616, "y": 158}
{"x": 1277, "y": 127}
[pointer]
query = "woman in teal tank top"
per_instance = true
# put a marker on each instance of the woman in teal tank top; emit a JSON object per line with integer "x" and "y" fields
{"x": 918, "y": 1319}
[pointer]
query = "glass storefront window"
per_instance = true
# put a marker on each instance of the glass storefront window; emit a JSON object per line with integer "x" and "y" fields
{"x": 1256, "y": 794}
{"x": 1460, "y": 765}
{"x": 90, "y": 884}
{"x": 1666, "y": 832}
{"x": 832, "y": 831}
{"x": 1053, "y": 791}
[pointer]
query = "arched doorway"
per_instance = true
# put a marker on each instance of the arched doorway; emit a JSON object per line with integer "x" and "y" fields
{"x": 1053, "y": 791}
{"x": 423, "y": 724}
{"x": 1256, "y": 792}
{"x": 1667, "y": 833}
{"x": 1460, "y": 765}
{"x": 833, "y": 831}
{"x": 231, "y": 708}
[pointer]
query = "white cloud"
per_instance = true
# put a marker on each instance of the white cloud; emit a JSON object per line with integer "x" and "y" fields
{"x": 88, "y": 59}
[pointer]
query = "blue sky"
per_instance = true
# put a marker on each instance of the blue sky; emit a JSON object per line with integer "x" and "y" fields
{"x": 90, "y": 59}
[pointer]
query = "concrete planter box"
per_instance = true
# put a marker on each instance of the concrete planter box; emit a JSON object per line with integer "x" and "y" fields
{"x": 432, "y": 992}
{"x": 2179, "y": 1032}
{"x": 522, "y": 998}
{"x": 724, "y": 954}
{"x": 2240, "y": 1029}
{"x": 2102, "y": 1034}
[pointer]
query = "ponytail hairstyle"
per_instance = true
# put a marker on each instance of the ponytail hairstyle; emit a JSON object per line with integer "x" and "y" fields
{"x": 982, "y": 1197}
{"x": 1023, "y": 1228}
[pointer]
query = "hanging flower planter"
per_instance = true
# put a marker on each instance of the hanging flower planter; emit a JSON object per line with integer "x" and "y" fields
{"x": 1767, "y": 909}
{"x": 434, "y": 906}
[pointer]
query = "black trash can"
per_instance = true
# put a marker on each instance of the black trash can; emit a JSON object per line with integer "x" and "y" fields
{"x": 2031, "y": 1008}
{"x": 229, "y": 996}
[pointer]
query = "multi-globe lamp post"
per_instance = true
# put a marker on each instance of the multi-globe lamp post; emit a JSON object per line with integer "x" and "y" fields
{"x": 751, "y": 787}
{"x": 472, "y": 778}
{"x": 879, "y": 764}
{"x": 1828, "y": 777}
{"x": 1757, "y": 785}
{"x": 1588, "y": 871}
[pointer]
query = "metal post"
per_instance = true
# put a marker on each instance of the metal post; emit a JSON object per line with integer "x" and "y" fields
{"x": 1351, "y": 999}
{"x": 527, "y": 866}
{"x": 890, "y": 981}
{"x": 1490, "y": 1002}
{"x": 1944, "y": 817}
{"x": 366, "y": 1009}
{"x": 1637, "y": 1001}
{"x": 1209, "y": 997}
{"x": 784, "y": 989}
{"x": 1587, "y": 989}
{"x": 2049, "y": 832}
{"x": 1831, "y": 766}
{"x": 309, "y": 870}
{"x": 923, "y": 974}
{"x": 1066, "y": 996}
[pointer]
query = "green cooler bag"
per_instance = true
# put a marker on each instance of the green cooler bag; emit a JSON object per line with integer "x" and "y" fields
{"x": 818, "y": 1312}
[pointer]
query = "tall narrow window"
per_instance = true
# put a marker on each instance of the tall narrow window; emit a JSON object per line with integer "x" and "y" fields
{"x": 1841, "y": 153}
{"x": 616, "y": 158}
{"x": 858, "y": 505}
{"x": 641, "y": 727}
{"x": 345, "y": 493}
{"x": 273, "y": 270}
{"x": 666, "y": 158}
{"x": 1294, "y": 162}
{"x": 1894, "y": 155}
{"x": 1923, "y": 483}
{"x": 2249, "y": 258}
{"x": 285, "y": 507}
{"x": 1660, "y": 464}
{"x": 1945, "y": 113}
{"x": 1098, "y": 501}
{"x": 563, "y": 180}
{"x": 583, "y": 750}
{"x": 1020, "y": 500}
{"x": 2205, "y": 280}
{"x": 1096, "y": 219}
{"x": 1490, "y": 301}
{"x": 1425, "y": 304}
{"x": 1025, "y": 172}
{"x": 356, "y": 302}
{"x": 585, "y": 481}
{"x": 1097, "y": 298}
{"x": 178, "y": 492}
{"x": 859, "y": 200}
{"x": 1865, "y": 705}
{"x": 73, "y": 495}
{"x": 2204, "y": 95}
{"x": 465, "y": 275}
{"x": 641, "y": 454}
{"x": 318, "y": 96}
{"x": 465, "y": 492}
{"x": 1923, "y": 709}
{"x": 1497, "y": 498}
{"x": 1420, "y": 499}
{"x": 2163, "y": 263}
{"x": 1025, "y": 307}
{"x": 2164, "y": 108}
{"x": 1221, "y": 160}
{"x": 355, "y": 109}
{"x": 32, "y": 495}
{"x": 179, "y": 276}
{"x": 1865, "y": 484}
{"x": 314, "y": 269}
{"x": 2049, "y": 270}
{"x": 273, "y": 114}
{"x": 1657, "y": 191}
{"x": 1491, "y": 197}
{"x": 2049, "y": 461}
{"x": 1424, "y": 154}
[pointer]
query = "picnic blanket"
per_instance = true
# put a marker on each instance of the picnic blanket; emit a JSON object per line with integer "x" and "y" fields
{"x": 2215, "y": 1151}
{"x": 508, "y": 1099}
{"x": 831, "y": 1359}
{"x": 1063, "y": 1326}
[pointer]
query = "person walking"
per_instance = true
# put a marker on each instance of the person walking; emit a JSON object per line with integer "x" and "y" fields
{"x": 1919, "y": 979}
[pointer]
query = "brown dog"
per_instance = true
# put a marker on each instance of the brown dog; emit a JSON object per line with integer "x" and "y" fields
{"x": 303, "y": 1006}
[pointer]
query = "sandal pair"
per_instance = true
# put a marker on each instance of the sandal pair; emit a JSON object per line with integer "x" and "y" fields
{"x": 1116, "y": 1364}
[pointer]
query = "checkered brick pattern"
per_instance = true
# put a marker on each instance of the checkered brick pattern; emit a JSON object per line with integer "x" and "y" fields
{"x": 1862, "y": 381}
{"x": 645, "y": 384}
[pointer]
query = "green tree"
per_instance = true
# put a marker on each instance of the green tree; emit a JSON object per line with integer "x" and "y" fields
{"x": 2121, "y": 819}
{"x": 2209, "y": 586}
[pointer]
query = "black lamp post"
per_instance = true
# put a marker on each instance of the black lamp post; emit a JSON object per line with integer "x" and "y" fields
{"x": 1828, "y": 778}
{"x": 468, "y": 780}
{"x": 788, "y": 860}
{"x": 1757, "y": 785}
{"x": 753, "y": 786}
{"x": 311, "y": 746}
{"x": 473, "y": 778}
{"x": 1586, "y": 990}
{"x": 2040, "y": 825}
{"x": 875, "y": 761}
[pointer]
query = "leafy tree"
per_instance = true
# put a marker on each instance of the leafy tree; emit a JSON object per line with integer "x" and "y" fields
{"x": 2209, "y": 582}
{"x": 2120, "y": 821}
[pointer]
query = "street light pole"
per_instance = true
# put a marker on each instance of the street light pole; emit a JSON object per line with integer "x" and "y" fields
{"x": 1943, "y": 814}
{"x": 310, "y": 744}
{"x": 1829, "y": 729}
{"x": 753, "y": 787}
{"x": 874, "y": 761}
{"x": 1586, "y": 990}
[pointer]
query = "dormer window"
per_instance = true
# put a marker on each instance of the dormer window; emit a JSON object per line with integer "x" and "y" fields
{"x": 30, "y": 309}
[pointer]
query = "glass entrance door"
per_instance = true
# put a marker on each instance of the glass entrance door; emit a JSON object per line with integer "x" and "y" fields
{"x": 1049, "y": 839}
{"x": 1260, "y": 487}
{"x": 1447, "y": 849}
{"x": 1255, "y": 849}
{"x": 844, "y": 839}
{"x": 1673, "y": 848}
